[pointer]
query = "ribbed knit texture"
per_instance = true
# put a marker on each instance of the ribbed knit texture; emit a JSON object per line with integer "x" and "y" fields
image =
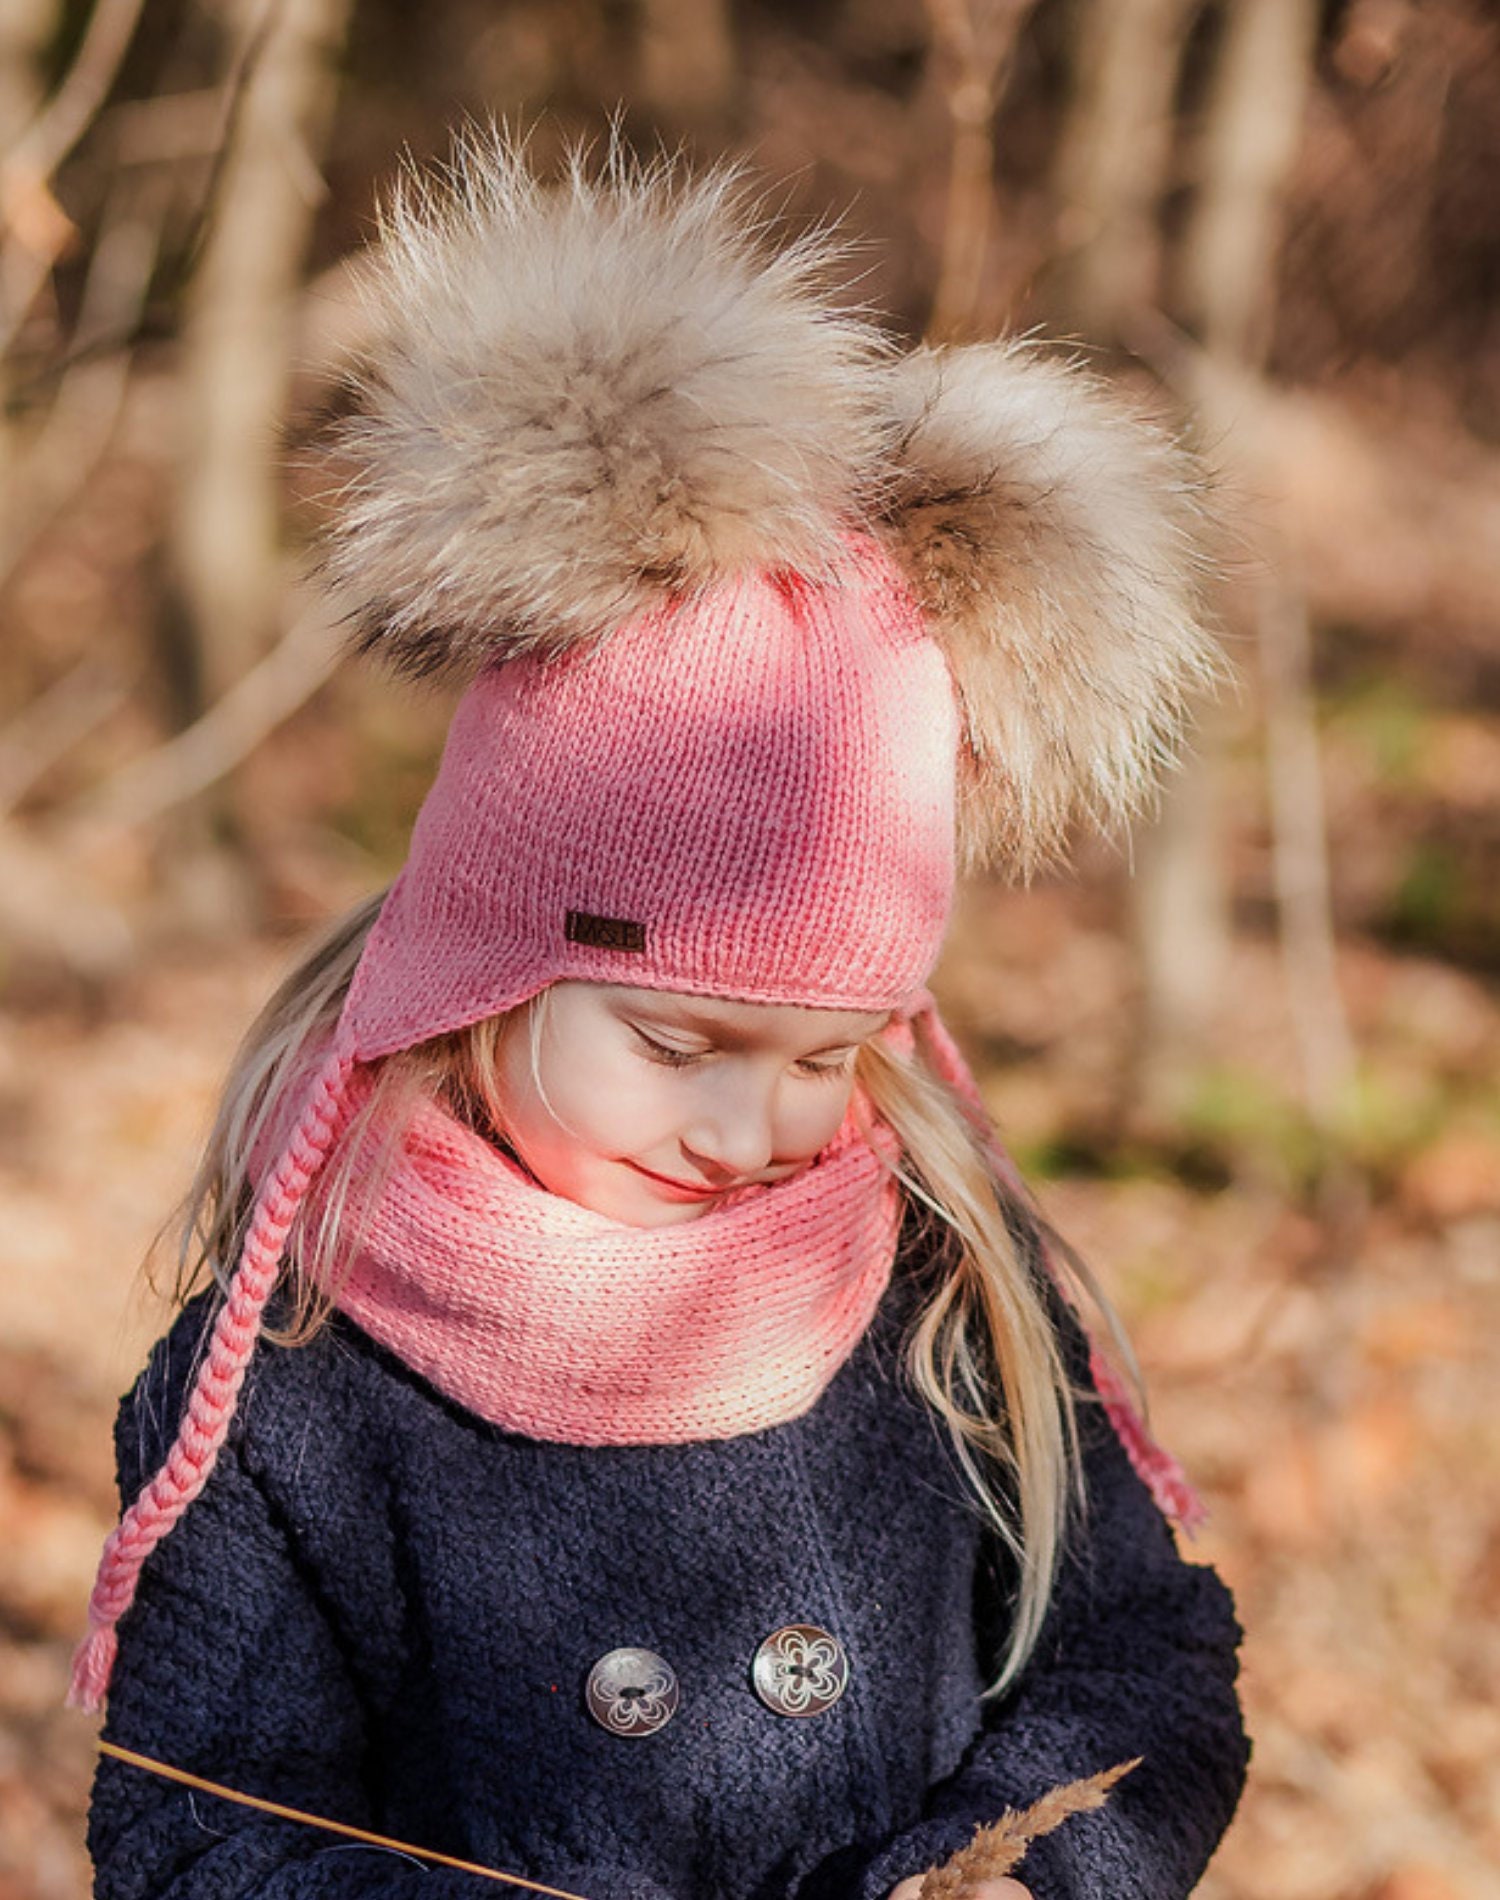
{"x": 538, "y": 1315}
{"x": 385, "y": 1611}
{"x": 541, "y": 1316}
{"x": 761, "y": 778}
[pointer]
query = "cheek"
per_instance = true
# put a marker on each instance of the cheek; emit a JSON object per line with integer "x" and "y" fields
{"x": 812, "y": 1117}
{"x": 607, "y": 1105}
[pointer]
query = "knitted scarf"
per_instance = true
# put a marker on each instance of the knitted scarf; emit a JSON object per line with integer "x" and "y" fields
{"x": 562, "y": 1324}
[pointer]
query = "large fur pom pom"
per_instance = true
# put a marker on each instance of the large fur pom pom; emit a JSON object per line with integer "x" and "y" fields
{"x": 581, "y": 398}
{"x": 1053, "y": 539}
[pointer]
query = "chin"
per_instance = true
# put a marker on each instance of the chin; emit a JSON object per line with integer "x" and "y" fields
{"x": 630, "y": 1202}
{"x": 662, "y": 1214}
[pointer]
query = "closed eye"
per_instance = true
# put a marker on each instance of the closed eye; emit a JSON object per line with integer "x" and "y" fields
{"x": 664, "y": 1053}
{"x": 828, "y": 1065}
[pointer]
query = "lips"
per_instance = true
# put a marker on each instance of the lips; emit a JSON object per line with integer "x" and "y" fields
{"x": 683, "y": 1190}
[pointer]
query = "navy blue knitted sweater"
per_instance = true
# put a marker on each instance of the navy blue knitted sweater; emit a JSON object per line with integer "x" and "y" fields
{"x": 385, "y": 1611}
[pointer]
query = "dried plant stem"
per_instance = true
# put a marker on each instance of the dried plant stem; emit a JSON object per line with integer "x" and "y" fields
{"x": 282, "y": 1812}
{"x": 995, "y": 1851}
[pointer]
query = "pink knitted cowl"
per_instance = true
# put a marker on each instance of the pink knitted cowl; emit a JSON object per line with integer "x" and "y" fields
{"x": 550, "y": 1320}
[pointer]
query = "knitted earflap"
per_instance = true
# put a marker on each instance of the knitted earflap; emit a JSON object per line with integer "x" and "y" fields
{"x": 215, "y": 1394}
{"x": 1157, "y": 1469}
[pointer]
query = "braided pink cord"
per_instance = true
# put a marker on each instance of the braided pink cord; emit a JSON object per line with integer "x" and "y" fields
{"x": 216, "y": 1389}
{"x": 1162, "y": 1475}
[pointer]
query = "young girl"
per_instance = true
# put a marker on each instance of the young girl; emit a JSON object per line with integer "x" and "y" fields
{"x": 637, "y": 1442}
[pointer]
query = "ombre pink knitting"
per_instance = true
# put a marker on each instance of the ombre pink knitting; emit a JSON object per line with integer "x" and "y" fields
{"x": 749, "y": 793}
{"x": 564, "y": 1325}
{"x": 742, "y": 600}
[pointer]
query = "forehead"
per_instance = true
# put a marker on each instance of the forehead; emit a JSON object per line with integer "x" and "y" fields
{"x": 732, "y": 1024}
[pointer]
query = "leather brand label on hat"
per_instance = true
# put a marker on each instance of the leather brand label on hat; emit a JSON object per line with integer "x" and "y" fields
{"x": 605, "y": 933}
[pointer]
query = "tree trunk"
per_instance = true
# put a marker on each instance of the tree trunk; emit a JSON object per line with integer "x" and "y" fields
{"x": 1250, "y": 138}
{"x": 225, "y": 538}
{"x": 1251, "y": 135}
{"x": 1113, "y": 156}
{"x": 1180, "y": 913}
{"x": 972, "y": 43}
{"x": 687, "y": 62}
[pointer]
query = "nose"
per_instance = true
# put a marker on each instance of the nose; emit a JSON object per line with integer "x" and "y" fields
{"x": 732, "y": 1132}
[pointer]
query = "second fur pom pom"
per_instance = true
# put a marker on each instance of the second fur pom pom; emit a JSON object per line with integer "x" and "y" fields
{"x": 1054, "y": 539}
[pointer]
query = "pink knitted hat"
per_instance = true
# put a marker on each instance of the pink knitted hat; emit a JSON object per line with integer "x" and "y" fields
{"x": 757, "y": 618}
{"x": 749, "y": 794}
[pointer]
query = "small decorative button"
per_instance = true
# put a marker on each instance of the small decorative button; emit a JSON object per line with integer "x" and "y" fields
{"x": 800, "y": 1670}
{"x": 632, "y": 1692}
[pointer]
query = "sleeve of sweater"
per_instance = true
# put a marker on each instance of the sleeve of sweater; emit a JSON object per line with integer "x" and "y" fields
{"x": 229, "y": 1668}
{"x": 1137, "y": 1657}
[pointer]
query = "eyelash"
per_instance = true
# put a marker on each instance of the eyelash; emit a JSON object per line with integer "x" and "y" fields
{"x": 668, "y": 1057}
{"x": 671, "y": 1058}
{"x": 841, "y": 1065}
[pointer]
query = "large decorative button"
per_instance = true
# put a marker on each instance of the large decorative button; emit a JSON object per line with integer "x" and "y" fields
{"x": 632, "y": 1692}
{"x": 800, "y": 1670}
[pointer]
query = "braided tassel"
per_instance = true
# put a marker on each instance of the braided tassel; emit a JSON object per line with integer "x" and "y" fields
{"x": 1157, "y": 1469}
{"x": 216, "y": 1390}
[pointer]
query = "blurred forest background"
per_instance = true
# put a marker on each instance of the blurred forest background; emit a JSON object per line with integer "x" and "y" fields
{"x": 1258, "y": 1083}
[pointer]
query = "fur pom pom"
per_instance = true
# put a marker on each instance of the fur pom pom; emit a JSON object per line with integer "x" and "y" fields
{"x": 1052, "y": 538}
{"x": 582, "y": 398}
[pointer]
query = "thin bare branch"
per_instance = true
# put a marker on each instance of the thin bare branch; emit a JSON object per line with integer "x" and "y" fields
{"x": 73, "y": 107}
{"x": 37, "y": 230}
{"x": 204, "y": 752}
{"x": 1300, "y": 845}
{"x": 48, "y": 472}
{"x": 53, "y": 724}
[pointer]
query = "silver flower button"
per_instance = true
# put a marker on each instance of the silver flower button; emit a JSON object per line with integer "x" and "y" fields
{"x": 800, "y": 1670}
{"x": 632, "y": 1692}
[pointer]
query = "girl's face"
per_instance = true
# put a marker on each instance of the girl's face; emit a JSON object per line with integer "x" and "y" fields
{"x": 649, "y": 1106}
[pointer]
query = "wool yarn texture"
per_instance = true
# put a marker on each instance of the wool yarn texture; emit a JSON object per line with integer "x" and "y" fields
{"x": 747, "y": 794}
{"x": 561, "y": 1324}
{"x": 763, "y": 626}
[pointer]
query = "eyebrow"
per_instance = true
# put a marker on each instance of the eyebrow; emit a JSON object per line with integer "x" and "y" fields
{"x": 682, "y": 1016}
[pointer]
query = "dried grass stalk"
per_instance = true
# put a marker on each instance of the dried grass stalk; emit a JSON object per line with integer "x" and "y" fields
{"x": 995, "y": 1851}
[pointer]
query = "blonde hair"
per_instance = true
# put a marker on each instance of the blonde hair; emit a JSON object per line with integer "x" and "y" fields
{"x": 982, "y": 1352}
